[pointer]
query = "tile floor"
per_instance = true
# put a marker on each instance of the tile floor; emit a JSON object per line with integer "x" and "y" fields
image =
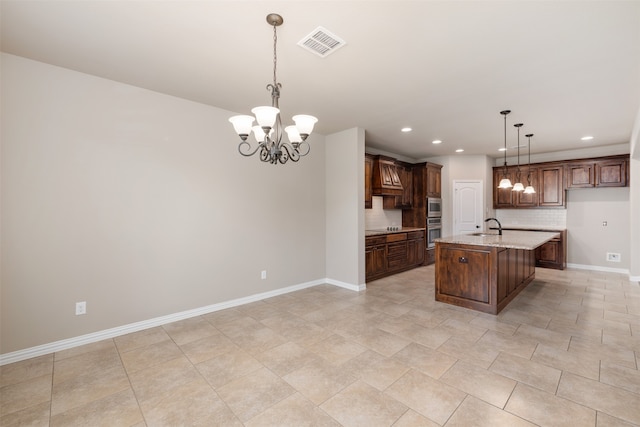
{"x": 564, "y": 352}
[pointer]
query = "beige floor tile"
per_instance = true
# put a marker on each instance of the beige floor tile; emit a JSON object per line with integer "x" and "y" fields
{"x": 587, "y": 365}
{"x": 546, "y": 409}
{"x": 192, "y": 403}
{"x": 318, "y": 381}
{"x": 462, "y": 329}
{"x": 286, "y": 358}
{"x": 375, "y": 369}
{"x": 141, "y": 339}
{"x": 474, "y": 412}
{"x": 151, "y": 355}
{"x": 532, "y": 318}
{"x": 34, "y": 416}
{"x": 604, "y": 420}
{"x": 296, "y": 329}
{"x": 252, "y": 394}
{"x": 25, "y": 370}
{"x": 413, "y": 419}
{"x": 609, "y": 352}
{"x": 228, "y": 366}
{"x": 362, "y": 405}
{"x": 525, "y": 371}
{"x": 208, "y": 347}
{"x": 257, "y": 340}
{"x": 544, "y": 336}
{"x": 88, "y": 387}
{"x": 185, "y": 331}
{"x": 22, "y": 395}
{"x": 428, "y": 337}
{"x": 620, "y": 376}
{"x": 611, "y": 400}
{"x": 381, "y": 341}
{"x": 518, "y": 346}
{"x": 294, "y": 411}
{"x": 259, "y": 310}
{"x": 427, "y": 396}
{"x": 89, "y": 363}
{"x": 87, "y": 348}
{"x": 337, "y": 349}
{"x": 156, "y": 381}
{"x": 116, "y": 409}
{"x": 489, "y": 321}
{"x": 424, "y": 359}
{"x": 481, "y": 383}
{"x": 478, "y": 354}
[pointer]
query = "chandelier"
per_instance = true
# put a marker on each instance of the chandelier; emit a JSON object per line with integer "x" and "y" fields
{"x": 268, "y": 133}
{"x": 505, "y": 182}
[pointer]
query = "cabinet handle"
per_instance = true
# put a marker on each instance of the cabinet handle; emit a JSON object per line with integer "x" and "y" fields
{"x": 463, "y": 260}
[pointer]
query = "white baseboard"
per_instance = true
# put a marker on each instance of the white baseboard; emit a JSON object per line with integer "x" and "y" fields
{"x": 599, "y": 268}
{"x": 41, "y": 350}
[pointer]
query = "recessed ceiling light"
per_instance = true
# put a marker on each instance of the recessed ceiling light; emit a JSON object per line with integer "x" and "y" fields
{"x": 502, "y": 149}
{"x": 406, "y": 130}
{"x": 436, "y": 141}
{"x": 459, "y": 150}
{"x": 587, "y": 138}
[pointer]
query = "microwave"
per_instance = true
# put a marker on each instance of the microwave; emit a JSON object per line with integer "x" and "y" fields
{"x": 434, "y": 207}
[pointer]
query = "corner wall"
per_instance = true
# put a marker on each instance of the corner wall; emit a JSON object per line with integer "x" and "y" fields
{"x": 139, "y": 204}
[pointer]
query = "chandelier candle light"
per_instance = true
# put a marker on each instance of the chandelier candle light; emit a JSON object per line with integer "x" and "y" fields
{"x": 505, "y": 182}
{"x": 529, "y": 189}
{"x": 268, "y": 132}
{"x": 518, "y": 185}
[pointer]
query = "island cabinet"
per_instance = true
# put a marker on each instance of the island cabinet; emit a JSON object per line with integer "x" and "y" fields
{"x": 387, "y": 254}
{"x": 482, "y": 278}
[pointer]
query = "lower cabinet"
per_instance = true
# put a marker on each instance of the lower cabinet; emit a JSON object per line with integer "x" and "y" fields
{"x": 391, "y": 253}
{"x": 481, "y": 278}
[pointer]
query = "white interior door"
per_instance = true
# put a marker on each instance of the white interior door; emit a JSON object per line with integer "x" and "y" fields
{"x": 468, "y": 203}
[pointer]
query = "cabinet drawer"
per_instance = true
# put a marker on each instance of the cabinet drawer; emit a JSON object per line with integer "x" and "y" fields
{"x": 397, "y": 237}
{"x": 397, "y": 250}
{"x": 375, "y": 240}
{"x": 413, "y": 235}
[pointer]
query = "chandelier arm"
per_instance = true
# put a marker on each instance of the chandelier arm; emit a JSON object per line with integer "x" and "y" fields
{"x": 247, "y": 152}
{"x": 292, "y": 153}
{"x": 303, "y": 152}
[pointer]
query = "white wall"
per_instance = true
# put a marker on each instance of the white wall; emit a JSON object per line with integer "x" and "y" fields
{"x": 139, "y": 204}
{"x": 345, "y": 208}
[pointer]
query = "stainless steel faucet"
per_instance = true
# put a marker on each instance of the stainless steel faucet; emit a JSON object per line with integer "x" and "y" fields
{"x": 499, "y": 225}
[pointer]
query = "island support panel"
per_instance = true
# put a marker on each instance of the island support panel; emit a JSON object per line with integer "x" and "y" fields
{"x": 482, "y": 278}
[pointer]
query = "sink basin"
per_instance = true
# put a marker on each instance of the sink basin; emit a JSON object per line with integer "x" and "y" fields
{"x": 484, "y": 234}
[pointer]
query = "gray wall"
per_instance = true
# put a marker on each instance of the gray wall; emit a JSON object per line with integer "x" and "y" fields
{"x": 139, "y": 204}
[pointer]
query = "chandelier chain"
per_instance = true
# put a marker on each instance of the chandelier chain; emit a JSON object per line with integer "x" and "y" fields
{"x": 275, "y": 54}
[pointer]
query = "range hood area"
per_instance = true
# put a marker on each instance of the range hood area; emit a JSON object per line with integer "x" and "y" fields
{"x": 385, "y": 177}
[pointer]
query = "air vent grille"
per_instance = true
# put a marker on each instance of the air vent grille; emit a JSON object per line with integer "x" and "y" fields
{"x": 321, "y": 42}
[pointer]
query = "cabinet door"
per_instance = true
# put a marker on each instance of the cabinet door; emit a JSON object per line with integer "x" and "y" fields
{"x": 434, "y": 180}
{"x": 529, "y": 177}
{"x": 397, "y": 255}
{"x": 375, "y": 260}
{"x": 464, "y": 274}
{"x": 580, "y": 175}
{"x": 549, "y": 254}
{"x": 611, "y": 173}
{"x": 368, "y": 176}
{"x": 502, "y": 197}
{"x": 415, "y": 251}
{"x": 406, "y": 177}
{"x": 552, "y": 188}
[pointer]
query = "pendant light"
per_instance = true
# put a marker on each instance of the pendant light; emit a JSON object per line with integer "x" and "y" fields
{"x": 518, "y": 185}
{"x": 529, "y": 189}
{"x": 505, "y": 182}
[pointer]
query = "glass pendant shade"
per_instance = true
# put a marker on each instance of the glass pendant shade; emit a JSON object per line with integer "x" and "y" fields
{"x": 505, "y": 183}
{"x": 242, "y": 124}
{"x": 266, "y": 116}
{"x": 304, "y": 123}
{"x": 529, "y": 190}
{"x": 293, "y": 134}
{"x": 518, "y": 187}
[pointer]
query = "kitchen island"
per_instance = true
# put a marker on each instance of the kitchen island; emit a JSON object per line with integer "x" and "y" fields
{"x": 485, "y": 271}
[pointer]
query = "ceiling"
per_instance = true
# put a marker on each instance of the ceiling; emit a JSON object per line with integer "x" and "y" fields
{"x": 444, "y": 68}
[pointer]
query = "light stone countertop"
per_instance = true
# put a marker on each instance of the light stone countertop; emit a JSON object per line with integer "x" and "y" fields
{"x": 385, "y": 231}
{"x": 510, "y": 239}
{"x": 532, "y": 227}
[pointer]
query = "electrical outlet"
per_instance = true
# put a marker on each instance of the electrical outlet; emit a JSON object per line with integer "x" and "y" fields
{"x": 263, "y": 275}
{"x": 81, "y": 308}
{"x": 613, "y": 257}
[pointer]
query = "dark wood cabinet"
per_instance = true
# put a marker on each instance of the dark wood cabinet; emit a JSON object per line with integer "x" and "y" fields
{"x": 552, "y": 188}
{"x": 523, "y": 200}
{"x": 405, "y": 201}
{"x": 392, "y": 253}
{"x": 385, "y": 180}
{"x": 503, "y": 197}
{"x": 434, "y": 180}
{"x": 368, "y": 175}
{"x": 612, "y": 173}
{"x": 553, "y": 254}
{"x": 581, "y": 175}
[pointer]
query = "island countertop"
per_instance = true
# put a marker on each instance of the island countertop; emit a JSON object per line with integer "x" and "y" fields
{"x": 528, "y": 240}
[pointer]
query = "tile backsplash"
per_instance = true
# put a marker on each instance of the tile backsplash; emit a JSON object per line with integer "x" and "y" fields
{"x": 538, "y": 217}
{"x": 377, "y": 218}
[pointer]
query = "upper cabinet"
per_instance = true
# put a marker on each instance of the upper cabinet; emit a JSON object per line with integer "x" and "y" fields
{"x": 386, "y": 180}
{"x": 368, "y": 175}
{"x": 552, "y": 179}
{"x": 434, "y": 180}
{"x": 405, "y": 201}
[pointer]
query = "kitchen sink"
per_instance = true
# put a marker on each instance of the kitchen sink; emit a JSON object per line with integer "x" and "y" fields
{"x": 484, "y": 234}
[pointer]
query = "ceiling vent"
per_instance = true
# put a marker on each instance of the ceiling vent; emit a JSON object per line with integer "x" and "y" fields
{"x": 321, "y": 42}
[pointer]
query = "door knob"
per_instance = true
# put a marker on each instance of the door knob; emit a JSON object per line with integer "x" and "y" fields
{"x": 477, "y": 226}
